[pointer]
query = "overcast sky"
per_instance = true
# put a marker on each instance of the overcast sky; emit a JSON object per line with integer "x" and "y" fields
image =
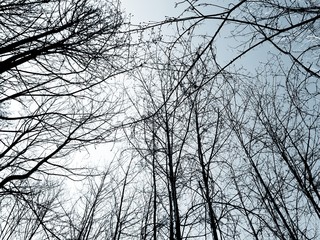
{"x": 149, "y": 10}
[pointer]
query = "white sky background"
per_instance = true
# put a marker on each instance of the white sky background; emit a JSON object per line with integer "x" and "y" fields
{"x": 149, "y": 10}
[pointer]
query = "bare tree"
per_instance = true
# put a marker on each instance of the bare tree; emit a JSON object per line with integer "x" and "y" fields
{"x": 277, "y": 129}
{"x": 180, "y": 143}
{"x": 268, "y": 177}
{"x": 215, "y": 151}
{"x": 58, "y": 59}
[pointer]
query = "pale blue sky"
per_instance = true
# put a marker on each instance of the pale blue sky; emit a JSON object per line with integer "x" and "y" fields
{"x": 144, "y": 11}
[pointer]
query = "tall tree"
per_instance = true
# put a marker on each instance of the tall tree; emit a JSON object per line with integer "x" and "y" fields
{"x": 57, "y": 62}
{"x": 179, "y": 141}
{"x": 268, "y": 177}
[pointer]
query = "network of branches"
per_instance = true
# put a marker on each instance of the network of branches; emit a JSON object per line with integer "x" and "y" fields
{"x": 212, "y": 117}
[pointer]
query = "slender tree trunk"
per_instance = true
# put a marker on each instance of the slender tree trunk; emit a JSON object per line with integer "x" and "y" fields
{"x": 154, "y": 174}
{"x": 205, "y": 178}
{"x": 172, "y": 179}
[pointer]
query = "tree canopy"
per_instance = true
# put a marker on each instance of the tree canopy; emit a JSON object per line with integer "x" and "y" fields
{"x": 213, "y": 116}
